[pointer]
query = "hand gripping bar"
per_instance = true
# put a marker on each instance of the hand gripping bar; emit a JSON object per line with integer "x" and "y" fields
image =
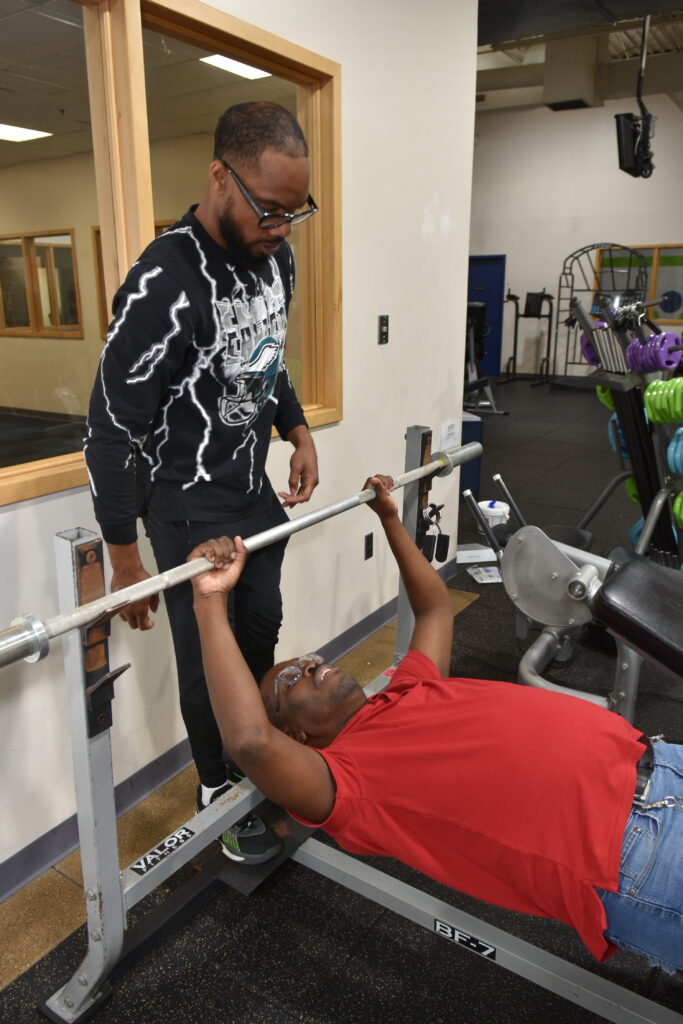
{"x": 29, "y": 638}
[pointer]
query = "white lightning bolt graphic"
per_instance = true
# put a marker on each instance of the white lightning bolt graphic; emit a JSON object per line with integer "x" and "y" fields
{"x": 249, "y": 442}
{"x": 238, "y": 321}
{"x": 141, "y": 293}
{"x": 188, "y": 386}
{"x": 153, "y": 356}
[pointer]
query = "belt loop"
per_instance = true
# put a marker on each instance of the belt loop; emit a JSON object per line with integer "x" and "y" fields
{"x": 644, "y": 768}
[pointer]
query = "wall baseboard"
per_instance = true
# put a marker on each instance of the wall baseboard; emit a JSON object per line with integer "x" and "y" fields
{"x": 45, "y": 851}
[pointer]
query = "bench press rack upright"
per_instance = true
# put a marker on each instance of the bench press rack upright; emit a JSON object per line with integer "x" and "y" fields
{"x": 111, "y": 893}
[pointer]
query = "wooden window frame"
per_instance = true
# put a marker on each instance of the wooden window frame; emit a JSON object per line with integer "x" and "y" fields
{"x": 113, "y": 42}
{"x": 103, "y": 307}
{"x": 653, "y": 291}
{"x": 36, "y": 327}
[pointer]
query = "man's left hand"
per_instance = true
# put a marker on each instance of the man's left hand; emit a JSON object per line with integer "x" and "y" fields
{"x": 228, "y": 558}
{"x": 303, "y": 468}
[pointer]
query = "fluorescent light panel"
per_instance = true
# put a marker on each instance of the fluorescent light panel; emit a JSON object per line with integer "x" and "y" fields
{"x": 12, "y": 133}
{"x": 235, "y": 67}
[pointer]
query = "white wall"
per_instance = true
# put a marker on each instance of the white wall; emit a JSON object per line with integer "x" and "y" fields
{"x": 37, "y": 790}
{"x": 548, "y": 183}
{"x": 408, "y": 97}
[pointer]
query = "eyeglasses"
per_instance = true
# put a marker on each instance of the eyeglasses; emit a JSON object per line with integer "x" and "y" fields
{"x": 270, "y": 220}
{"x": 290, "y": 675}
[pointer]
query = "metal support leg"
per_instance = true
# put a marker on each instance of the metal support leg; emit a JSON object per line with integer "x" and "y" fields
{"x": 418, "y": 447}
{"x": 110, "y": 893}
{"x": 656, "y": 508}
{"x": 94, "y": 793}
{"x": 626, "y": 678}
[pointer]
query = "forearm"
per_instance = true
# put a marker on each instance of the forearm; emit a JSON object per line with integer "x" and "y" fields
{"x": 303, "y": 467}
{"x": 425, "y": 589}
{"x": 300, "y": 435}
{"x": 125, "y": 558}
{"x": 235, "y": 697}
{"x": 111, "y": 470}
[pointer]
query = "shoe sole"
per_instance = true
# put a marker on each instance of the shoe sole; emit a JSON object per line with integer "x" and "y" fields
{"x": 260, "y": 858}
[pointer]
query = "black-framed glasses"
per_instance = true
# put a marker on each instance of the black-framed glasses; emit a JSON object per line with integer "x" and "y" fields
{"x": 270, "y": 220}
{"x": 290, "y": 675}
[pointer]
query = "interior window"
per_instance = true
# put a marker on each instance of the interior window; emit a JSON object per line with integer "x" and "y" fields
{"x": 49, "y": 332}
{"x": 66, "y": 244}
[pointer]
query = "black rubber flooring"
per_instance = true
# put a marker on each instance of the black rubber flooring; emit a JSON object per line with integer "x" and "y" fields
{"x": 303, "y": 949}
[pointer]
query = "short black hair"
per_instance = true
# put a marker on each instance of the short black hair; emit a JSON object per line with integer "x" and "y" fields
{"x": 245, "y": 130}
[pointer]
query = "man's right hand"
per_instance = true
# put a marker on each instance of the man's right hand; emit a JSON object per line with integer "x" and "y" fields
{"x": 127, "y": 569}
{"x": 384, "y": 505}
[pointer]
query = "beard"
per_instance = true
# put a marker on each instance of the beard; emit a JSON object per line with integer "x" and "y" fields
{"x": 239, "y": 251}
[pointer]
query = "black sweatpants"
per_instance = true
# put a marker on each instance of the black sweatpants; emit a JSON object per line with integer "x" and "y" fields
{"x": 254, "y": 608}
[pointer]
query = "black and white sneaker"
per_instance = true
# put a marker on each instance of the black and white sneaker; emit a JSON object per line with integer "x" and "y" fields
{"x": 250, "y": 841}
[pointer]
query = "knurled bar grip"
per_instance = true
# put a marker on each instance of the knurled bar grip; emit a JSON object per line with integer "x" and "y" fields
{"x": 28, "y": 637}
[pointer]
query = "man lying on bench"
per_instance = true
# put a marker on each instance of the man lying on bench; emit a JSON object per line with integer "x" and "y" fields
{"x": 531, "y": 800}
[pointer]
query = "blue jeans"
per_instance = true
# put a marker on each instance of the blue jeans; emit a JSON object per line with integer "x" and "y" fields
{"x": 646, "y": 914}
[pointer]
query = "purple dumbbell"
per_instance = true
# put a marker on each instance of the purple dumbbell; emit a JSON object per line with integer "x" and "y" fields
{"x": 635, "y": 356}
{"x": 660, "y": 352}
{"x": 587, "y": 350}
{"x": 669, "y": 351}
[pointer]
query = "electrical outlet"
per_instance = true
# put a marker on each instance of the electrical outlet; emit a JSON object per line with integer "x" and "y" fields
{"x": 368, "y": 546}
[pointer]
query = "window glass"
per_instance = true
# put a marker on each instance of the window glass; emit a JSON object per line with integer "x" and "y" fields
{"x": 50, "y": 340}
{"x": 55, "y": 262}
{"x": 13, "y": 293}
{"x": 669, "y": 287}
{"x": 624, "y": 274}
{"x": 664, "y": 270}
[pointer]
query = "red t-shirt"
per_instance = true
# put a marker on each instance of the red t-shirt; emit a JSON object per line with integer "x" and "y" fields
{"x": 510, "y": 794}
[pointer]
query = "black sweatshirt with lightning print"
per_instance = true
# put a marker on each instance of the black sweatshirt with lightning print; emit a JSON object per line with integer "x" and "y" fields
{"x": 191, "y": 381}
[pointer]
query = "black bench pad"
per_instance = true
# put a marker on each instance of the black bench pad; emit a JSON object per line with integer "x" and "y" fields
{"x": 643, "y": 604}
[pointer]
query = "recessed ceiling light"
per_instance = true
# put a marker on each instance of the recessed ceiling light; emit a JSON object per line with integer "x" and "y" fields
{"x": 235, "y": 67}
{"x": 11, "y": 133}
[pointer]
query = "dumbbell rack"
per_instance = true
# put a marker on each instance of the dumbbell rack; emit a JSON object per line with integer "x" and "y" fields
{"x": 635, "y": 375}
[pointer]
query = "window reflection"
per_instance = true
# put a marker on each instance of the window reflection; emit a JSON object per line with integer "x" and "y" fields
{"x": 56, "y": 281}
{"x": 50, "y": 341}
{"x": 13, "y": 293}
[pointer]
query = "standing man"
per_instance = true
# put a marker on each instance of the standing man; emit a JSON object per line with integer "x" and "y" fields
{"x": 191, "y": 381}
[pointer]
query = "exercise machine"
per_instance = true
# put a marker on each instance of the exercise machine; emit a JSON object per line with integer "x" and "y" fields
{"x": 560, "y": 589}
{"x": 475, "y": 350}
{"x": 597, "y": 275}
{"x": 537, "y": 306}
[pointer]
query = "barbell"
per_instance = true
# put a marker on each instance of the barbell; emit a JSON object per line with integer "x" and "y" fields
{"x": 28, "y": 638}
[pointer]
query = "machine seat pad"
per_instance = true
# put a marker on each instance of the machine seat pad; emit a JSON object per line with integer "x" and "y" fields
{"x": 642, "y": 602}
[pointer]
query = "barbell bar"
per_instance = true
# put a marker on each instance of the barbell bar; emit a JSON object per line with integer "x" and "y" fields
{"x": 28, "y": 638}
